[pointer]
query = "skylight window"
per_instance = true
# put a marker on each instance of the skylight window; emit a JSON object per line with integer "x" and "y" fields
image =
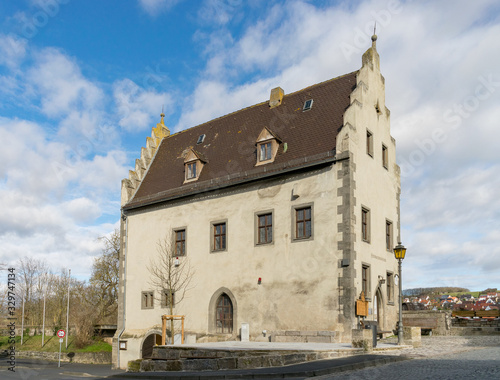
{"x": 307, "y": 105}
{"x": 201, "y": 138}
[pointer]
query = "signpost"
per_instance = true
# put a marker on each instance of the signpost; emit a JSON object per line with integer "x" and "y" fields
{"x": 60, "y": 334}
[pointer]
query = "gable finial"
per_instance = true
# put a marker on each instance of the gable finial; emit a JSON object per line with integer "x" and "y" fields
{"x": 374, "y": 37}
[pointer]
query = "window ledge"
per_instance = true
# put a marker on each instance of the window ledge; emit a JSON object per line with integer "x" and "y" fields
{"x": 264, "y": 244}
{"x": 302, "y": 239}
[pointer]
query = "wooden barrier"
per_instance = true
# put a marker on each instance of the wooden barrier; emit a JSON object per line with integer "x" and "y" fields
{"x": 164, "y": 319}
{"x": 478, "y": 313}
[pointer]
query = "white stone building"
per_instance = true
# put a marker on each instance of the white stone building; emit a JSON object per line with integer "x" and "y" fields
{"x": 287, "y": 210}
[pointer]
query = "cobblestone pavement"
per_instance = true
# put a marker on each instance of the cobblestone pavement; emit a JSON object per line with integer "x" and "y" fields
{"x": 444, "y": 358}
{"x": 441, "y": 345}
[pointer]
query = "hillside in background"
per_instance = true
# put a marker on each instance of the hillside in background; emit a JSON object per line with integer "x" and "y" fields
{"x": 451, "y": 290}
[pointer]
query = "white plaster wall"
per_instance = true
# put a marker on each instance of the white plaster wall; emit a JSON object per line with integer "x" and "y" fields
{"x": 376, "y": 187}
{"x": 298, "y": 277}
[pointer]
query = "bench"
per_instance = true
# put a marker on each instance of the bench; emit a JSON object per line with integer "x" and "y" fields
{"x": 380, "y": 333}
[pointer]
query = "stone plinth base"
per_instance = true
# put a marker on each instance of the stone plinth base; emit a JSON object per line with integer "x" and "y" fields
{"x": 362, "y": 339}
{"x": 412, "y": 335}
{"x": 290, "y": 336}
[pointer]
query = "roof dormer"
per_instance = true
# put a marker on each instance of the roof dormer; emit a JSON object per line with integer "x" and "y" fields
{"x": 193, "y": 165}
{"x": 267, "y": 147}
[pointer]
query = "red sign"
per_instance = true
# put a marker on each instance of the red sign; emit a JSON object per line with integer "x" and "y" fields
{"x": 61, "y": 333}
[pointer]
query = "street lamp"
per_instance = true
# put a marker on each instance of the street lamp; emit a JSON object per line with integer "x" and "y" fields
{"x": 399, "y": 253}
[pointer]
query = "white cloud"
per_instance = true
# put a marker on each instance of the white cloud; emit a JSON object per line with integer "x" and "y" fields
{"x": 220, "y": 12}
{"x": 156, "y": 7}
{"x": 51, "y": 206}
{"x": 59, "y": 83}
{"x": 82, "y": 210}
{"x": 212, "y": 99}
{"x": 12, "y": 50}
{"x": 139, "y": 109}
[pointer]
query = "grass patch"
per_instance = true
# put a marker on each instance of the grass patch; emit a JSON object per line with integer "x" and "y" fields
{"x": 458, "y": 294}
{"x": 51, "y": 344}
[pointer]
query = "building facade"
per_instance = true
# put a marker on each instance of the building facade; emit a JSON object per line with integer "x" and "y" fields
{"x": 286, "y": 211}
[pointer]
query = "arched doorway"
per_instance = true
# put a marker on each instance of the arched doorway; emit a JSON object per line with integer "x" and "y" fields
{"x": 149, "y": 342}
{"x": 224, "y": 315}
{"x": 378, "y": 309}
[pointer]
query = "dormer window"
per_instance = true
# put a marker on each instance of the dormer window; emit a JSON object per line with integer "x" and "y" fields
{"x": 191, "y": 170}
{"x": 267, "y": 147}
{"x": 193, "y": 165}
{"x": 265, "y": 151}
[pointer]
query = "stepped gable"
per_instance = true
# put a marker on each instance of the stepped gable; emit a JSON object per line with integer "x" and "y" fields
{"x": 229, "y": 146}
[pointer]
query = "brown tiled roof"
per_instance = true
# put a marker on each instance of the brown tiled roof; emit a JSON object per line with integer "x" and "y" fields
{"x": 230, "y": 143}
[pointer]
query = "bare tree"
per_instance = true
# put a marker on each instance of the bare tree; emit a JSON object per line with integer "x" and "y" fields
{"x": 104, "y": 278}
{"x": 31, "y": 271}
{"x": 171, "y": 276}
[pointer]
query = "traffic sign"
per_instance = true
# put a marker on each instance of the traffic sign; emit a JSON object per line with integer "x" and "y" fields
{"x": 61, "y": 340}
{"x": 61, "y": 333}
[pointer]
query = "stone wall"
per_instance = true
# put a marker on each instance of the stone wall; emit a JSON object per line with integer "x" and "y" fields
{"x": 79, "y": 357}
{"x": 475, "y": 326}
{"x": 438, "y": 321}
{"x": 196, "y": 359}
{"x": 476, "y": 322}
{"x": 442, "y": 323}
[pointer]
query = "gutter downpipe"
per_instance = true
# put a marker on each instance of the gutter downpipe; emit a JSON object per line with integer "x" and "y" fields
{"x": 124, "y": 247}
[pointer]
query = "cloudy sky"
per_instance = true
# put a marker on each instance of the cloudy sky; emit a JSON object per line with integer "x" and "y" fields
{"x": 83, "y": 82}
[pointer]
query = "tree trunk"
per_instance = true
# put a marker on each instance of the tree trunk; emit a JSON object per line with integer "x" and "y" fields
{"x": 170, "y": 296}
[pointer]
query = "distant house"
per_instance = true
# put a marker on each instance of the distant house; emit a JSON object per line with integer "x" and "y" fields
{"x": 493, "y": 296}
{"x": 425, "y": 303}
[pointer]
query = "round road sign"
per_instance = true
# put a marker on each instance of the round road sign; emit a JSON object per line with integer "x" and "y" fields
{"x": 61, "y": 333}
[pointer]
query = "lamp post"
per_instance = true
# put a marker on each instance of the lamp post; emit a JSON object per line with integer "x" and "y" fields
{"x": 399, "y": 253}
{"x": 67, "y": 309}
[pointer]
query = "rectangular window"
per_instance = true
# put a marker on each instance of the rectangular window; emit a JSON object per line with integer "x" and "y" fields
{"x": 265, "y": 151}
{"x": 191, "y": 170}
{"x": 390, "y": 287}
{"x": 265, "y": 228}
{"x": 165, "y": 298}
{"x": 365, "y": 279}
{"x": 180, "y": 242}
{"x": 365, "y": 224}
{"x": 385, "y": 157}
{"x": 388, "y": 235}
{"x": 303, "y": 223}
{"x": 147, "y": 300}
{"x": 369, "y": 143}
{"x": 219, "y": 234}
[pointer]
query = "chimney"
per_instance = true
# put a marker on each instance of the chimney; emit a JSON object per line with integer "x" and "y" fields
{"x": 276, "y": 97}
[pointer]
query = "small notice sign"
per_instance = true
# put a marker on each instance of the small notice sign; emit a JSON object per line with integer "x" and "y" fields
{"x": 362, "y": 306}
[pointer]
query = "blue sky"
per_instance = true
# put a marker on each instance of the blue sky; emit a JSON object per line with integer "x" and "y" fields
{"x": 83, "y": 82}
